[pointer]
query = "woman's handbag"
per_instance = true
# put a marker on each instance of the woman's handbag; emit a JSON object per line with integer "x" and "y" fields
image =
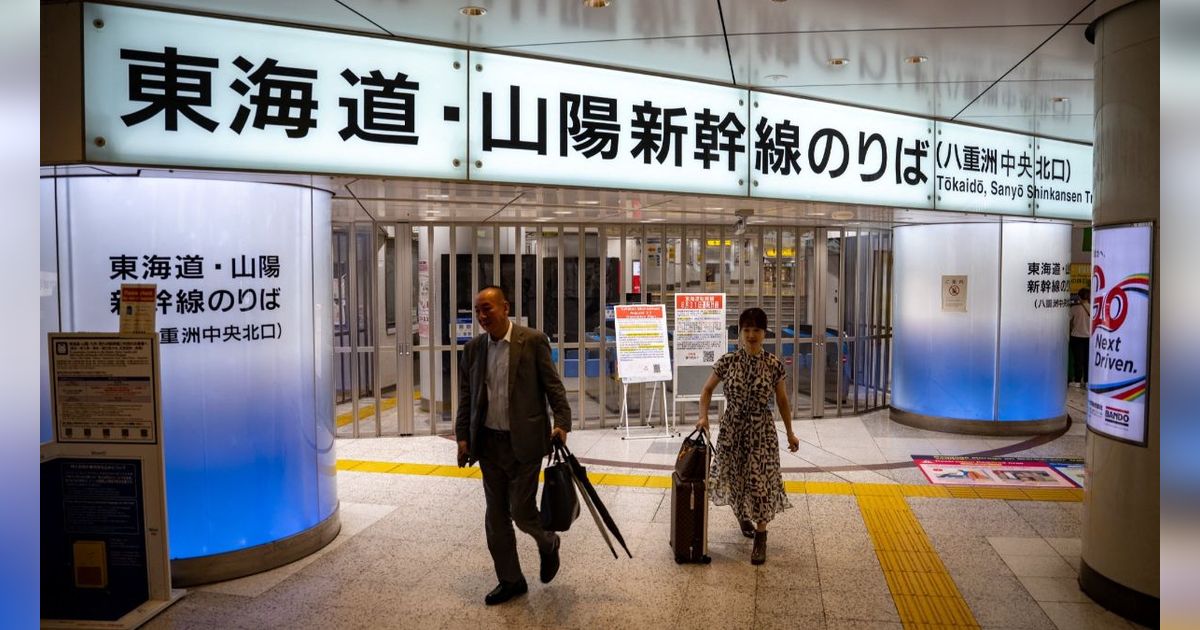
{"x": 692, "y": 462}
{"x": 560, "y": 504}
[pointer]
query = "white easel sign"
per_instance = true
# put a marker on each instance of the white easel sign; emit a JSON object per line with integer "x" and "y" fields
{"x": 642, "y": 352}
{"x": 699, "y": 328}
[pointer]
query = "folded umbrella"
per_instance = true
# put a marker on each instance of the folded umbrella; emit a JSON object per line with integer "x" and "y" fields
{"x": 587, "y": 500}
{"x": 594, "y": 498}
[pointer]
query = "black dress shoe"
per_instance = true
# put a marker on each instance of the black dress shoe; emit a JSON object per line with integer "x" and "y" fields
{"x": 758, "y": 555}
{"x": 747, "y": 528}
{"x": 504, "y": 592}
{"x": 550, "y": 562}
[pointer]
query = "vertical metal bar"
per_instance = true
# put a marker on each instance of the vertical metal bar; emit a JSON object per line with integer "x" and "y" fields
{"x": 452, "y": 312}
{"x": 796, "y": 291}
{"x": 429, "y": 362}
{"x": 540, "y": 280}
{"x": 352, "y": 322}
{"x": 581, "y": 325}
{"x": 402, "y": 303}
{"x": 602, "y": 250}
{"x": 561, "y": 287}
{"x": 999, "y": 310}
{"x": 496, "y": 277}
{"x": 778, "y": 288}
{"x": 841, "y": 314}
{"x": 518, "y": 259}
{"x": 759, "y": 259}
{"x": 475, "y": 330}
{"x": 373, "y": 328}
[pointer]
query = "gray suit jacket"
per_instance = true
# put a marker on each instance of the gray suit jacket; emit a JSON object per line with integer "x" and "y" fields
{"x": 532, "y": 383}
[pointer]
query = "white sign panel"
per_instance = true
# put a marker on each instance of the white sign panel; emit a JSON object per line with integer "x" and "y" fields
{"x": 172, "y": 89}
{"x": 535, "y": 121}
{"x": 954, "y": 294}
{"x": 699, "y": 328}
{"x": 642, "y": 351}
{"x": 104, "y": 387}
{"x": 983, "y": 170}
{"x": 1119, "y": 360}
{"x": 1063, "y": 180}
{"x": 824, "y": 152}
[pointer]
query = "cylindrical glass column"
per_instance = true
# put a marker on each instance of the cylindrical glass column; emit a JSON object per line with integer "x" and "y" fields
{"x": 242, "y": 275}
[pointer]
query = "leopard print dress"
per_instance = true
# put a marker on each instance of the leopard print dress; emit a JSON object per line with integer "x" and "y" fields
{"x": 745, "y": 471}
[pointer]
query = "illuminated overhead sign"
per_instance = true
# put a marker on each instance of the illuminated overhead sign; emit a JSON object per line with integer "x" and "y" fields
{"x": 180, "y": 90}
{"x": 169, "y": 89}
{"x": 557, "y": 123}
{"x": 819, "y": 151}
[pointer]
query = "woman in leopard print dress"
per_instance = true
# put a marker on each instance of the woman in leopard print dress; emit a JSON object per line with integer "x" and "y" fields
{"x": 745, "y": 472}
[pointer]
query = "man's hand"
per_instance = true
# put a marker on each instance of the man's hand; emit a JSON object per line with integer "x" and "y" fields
{"x": 463, "y": 454}
{"x": 560, "y": 434}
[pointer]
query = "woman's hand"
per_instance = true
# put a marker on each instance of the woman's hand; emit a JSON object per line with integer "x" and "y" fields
{"x": 793, "y": 442}
{"x": 702, "y": 424}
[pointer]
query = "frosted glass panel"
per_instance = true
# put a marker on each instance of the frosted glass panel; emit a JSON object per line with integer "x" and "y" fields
{"x": 246, "y": 438}
{"x": 944, "y": 361}
{"x": 1033, "y": 321}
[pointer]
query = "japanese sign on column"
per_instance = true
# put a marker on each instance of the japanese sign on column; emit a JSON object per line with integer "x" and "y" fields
{"x": 699, "y": 328}
{"x": 1119, "y": 359}
{"x": 558, "y": 123}
{"x": 165, "y": 88}
{"x": 642, "y": 351}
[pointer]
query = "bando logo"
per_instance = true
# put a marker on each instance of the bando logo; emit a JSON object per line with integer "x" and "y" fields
{"x": 1116, "y": 416}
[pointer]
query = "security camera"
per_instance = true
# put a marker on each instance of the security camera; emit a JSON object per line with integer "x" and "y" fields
{"x": 739, "y": 226}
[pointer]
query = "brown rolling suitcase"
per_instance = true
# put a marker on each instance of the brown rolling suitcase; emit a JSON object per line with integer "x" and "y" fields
{"x": 689, "y": 517}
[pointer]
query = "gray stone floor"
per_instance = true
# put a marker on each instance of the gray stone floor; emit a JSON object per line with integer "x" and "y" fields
{"x": 412, "y": 553}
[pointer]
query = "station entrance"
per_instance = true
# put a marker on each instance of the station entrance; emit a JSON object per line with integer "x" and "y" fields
{"x": 403, "y": 293}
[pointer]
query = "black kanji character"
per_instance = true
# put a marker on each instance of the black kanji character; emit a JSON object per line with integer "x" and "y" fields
{"x": 270, "y": 331}
{"x": 211, "y": 334}
{"x": 942, "y": 162}
{"x": 173, "y": 85}
{"x": 247, "y": 269}
{"x": 191, "y": 301}
{"x": 190, "y": 267}
{"x": 1008, "y": 162}
{"x": 388, "y": 114}
{"x": 164, "y": 300}
{"x": 156, "y": 267}
{"x": 656, "y": 133}
{"x": 1033, "y": 269}
{"x": 232, "y": 333}
{"x": 1025, "y": 164}
{"x": 168, "y": 335}
{"x": 514, "y": 124}
{"x": 268, "y": 266}
{"x": 191, "y": 334}
{"x": 988, "y": 160}
{"x": 970, "y": 158}
{"x": 123, "y": 267}
{"x": 284, "y": 97}
{"x": 595, "y": 130}
{"x": 777, "y": 147}
{"x": 114, "y": 302}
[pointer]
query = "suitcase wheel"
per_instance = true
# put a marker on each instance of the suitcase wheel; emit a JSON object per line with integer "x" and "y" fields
{"x": 679, "y": 559}
{"x": 705, "y": 560}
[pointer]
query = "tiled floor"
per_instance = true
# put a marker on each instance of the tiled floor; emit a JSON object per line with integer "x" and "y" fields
{"x": 412, "y": 554}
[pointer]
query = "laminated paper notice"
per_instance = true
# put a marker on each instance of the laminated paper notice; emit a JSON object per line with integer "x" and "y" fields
{"x": 138, "y": 308}
{"x": 954, "y": 294}
{"x": 642, "y": 351}
{"x": 700, "y": 337}
{"x": 105, "y": 387}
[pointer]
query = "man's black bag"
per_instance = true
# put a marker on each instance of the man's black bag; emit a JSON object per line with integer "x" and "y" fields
{"x": 560, "y": 504}
{"x": 692, "y": 461}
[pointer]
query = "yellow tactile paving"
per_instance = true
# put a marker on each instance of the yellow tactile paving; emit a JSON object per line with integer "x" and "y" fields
{"x": 365, "y": 411}
{"x": 922, "y": 589}
{"x": 882, "y": 504}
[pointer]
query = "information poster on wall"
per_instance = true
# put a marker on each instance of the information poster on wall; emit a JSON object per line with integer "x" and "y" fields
{"x": 954, "y": 294}
{"x": 1119, "y": 361}
{"x": 105, "y": 387}
{"x": 642, "y": 351}
{"x": 699, "y": 328}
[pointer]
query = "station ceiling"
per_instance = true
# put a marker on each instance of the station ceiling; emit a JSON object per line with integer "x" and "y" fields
{"x": 1022, "y": 65}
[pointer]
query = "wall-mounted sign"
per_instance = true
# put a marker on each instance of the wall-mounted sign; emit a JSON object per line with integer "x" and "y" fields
{"x": 954, "y": 294}
{"x": 983, "y": 170}
{"x": 104, "y": 388}
{"x": 699, "y": 328}
{"x": 642, "y": 351}
{"x": 819, "y": 151}
{"x": 557, "y": 123}
{"x": 1063, "y": 180}
{"x": 173, "y": 89}
{"x": 1119, "y": 363}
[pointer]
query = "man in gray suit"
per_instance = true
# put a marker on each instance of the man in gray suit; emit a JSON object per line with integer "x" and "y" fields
{"x": 506, "y": 379}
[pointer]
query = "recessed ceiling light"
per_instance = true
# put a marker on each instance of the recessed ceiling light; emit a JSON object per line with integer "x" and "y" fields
{"x": 714, "y": 207}
{"x": 815, "y": 213}
{"x": 435, "y": 196}
{"x": 564, "y": 212}
{"x": 472, "y": 11}
{"x": 596, "y": 4}
{"x": 542, "y": 219}
{"x": 587, "y": 202}
{"x": 655, "y": 220}
{"x": 915, "y": 59}
{"x": 775, "y": 77}
{"x": 1059, "y": 99}
{"x": 838, "y": 61}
